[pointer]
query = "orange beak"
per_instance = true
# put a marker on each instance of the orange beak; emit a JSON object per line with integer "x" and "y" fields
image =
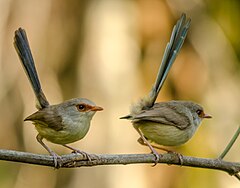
{"x": 206, "y": 116}
{"x": 96, "y": 108}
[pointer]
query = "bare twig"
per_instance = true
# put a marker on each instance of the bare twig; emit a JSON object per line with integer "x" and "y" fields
{"x": 77, "y": 160}
{"x": 230, "y": 144}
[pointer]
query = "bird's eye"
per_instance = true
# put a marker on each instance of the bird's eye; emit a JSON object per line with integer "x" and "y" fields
{"x": 81, "y": 107}
{"x": 199, "y": 112}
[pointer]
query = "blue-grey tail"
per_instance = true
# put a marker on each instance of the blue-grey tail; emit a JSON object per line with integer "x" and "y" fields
{"x": 173, "y": 47}
{"x": 24, "y": 52}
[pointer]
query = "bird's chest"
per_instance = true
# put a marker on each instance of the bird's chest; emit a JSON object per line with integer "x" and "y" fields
{"x": 76, "y": 130}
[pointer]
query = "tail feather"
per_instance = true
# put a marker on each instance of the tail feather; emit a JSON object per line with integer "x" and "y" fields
{"x": 178, "y": 36}
{"x": 24, "y": 52}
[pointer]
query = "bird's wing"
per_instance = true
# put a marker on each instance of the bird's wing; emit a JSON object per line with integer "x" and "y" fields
{"x": 47, "y": 118}
{"x": 166, "y": 114}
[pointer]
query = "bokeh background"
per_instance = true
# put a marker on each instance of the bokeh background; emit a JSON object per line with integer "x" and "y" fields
{"x": 109, "y": 51}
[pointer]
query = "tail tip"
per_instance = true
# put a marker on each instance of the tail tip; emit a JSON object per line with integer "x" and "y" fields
{"x": 126, "y": 117}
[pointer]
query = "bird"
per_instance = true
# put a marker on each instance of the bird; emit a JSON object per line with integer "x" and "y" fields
{"x": 62, "y": 123}
{"x": 170, "y": 123}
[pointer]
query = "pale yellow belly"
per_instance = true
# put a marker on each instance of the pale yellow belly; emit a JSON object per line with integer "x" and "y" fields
{"x": 65, "y": 136}
{"x": 166, "y": 135}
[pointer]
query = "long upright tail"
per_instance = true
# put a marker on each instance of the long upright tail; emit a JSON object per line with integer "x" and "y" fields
{"x": 173, "y": 47}
{"x": 24, "y": 52}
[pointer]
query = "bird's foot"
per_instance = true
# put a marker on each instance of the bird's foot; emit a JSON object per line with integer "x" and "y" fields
{"x": 179, "y": 156}
{"x": 83, "y": 153}
{"x": 57, "y": 160}
{"x": 157, "y": 157}
{"x": 89, "y": 157}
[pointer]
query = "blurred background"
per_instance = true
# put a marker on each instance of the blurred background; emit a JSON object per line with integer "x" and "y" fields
{"x": 109, "y": 51}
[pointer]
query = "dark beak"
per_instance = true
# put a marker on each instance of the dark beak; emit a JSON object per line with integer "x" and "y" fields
{"x": 96, "y": 108}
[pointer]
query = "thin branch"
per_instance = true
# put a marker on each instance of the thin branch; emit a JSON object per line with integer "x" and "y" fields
{"x": 230, "y": 144}
{"x": 77, "y": 160}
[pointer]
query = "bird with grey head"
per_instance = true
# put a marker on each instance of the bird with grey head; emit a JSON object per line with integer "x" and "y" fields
{"x": 62, "y": 123}
{"x": 170, "y": 123}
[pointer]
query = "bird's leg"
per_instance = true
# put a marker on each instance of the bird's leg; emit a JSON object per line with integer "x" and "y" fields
{"x": 57, "y": 163}
{"x": 155, "y": 153}
{"x": 140, "y": 140}
{"x": 180, "y": 157}
{"x": 85, "y": 154}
